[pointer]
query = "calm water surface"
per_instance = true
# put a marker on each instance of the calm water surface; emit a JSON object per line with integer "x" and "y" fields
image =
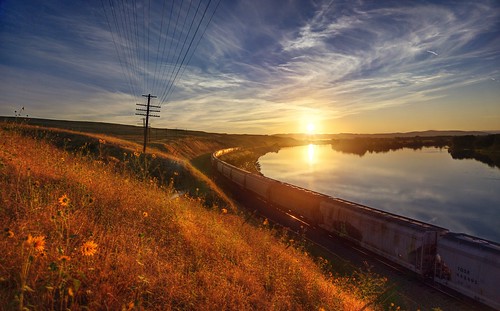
{"x": 427, "y": 184}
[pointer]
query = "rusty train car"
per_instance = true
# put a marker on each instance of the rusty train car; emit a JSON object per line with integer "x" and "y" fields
{"x": 468, "y": 265}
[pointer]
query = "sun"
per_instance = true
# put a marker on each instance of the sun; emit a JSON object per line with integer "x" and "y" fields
{"x": 310, "y": 128}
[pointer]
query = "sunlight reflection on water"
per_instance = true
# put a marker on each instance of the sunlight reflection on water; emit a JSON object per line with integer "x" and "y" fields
{"x": 425, "y": 184}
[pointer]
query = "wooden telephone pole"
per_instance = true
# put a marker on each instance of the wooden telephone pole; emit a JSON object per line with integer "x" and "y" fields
{"x": 147, "y": 113}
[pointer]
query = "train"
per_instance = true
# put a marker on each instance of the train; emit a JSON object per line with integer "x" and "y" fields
{"x": 466, "y": 264}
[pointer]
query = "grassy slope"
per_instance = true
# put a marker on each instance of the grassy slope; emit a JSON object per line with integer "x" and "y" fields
{"x": 180, "y": 143}
{"x": 154, "y": 249}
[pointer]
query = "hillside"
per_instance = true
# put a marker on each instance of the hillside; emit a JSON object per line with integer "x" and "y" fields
{"x": 86, "y": 229}
{"x": 181, "y": 143}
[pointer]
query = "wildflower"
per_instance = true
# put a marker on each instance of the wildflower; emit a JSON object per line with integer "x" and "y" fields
{"x": 64, "y": 258}
{"x": 224, "y": 211}
{"x": 145, "y": 214}
{"x": 89, "y": 248}
{"x": 266, "y": 222}
{"x": 70, "y": 292}
{"x": 130, "y": 306}
{"x": 137, "y": 154}
{"x": 153, "y": 155}
{"x": 37, "y": 242}
{"x": 9, "y": 233}
{"x": 64, "y": 200}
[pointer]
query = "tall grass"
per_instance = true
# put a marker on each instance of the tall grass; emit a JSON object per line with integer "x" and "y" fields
{"x": 80, "y": 234}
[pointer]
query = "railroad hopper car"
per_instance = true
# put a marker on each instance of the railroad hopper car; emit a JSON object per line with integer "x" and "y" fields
{"x": 409, "y": 243}
{"x": 471, "y": 266}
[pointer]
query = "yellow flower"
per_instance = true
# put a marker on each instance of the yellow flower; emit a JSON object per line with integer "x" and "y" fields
{"x": 136, "y": 153}
{"x": 224, "y": 211}
{"x": 89, "y": 248}
{"x": 145, "y": 214}
{"x": 70, "y": 292}
{"x": 64, "y": 200}
{"x": 37, "y": 242}
{"x": 266, "y": 222}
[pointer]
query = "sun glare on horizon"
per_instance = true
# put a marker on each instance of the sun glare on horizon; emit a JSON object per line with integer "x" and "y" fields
{"x": 310, "y": 128}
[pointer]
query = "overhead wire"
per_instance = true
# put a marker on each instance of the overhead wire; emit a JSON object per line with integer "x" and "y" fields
{"x": 177, "y": 66}
{"x": 120, "y": 60}
{"x": 190, "y": 44}
{"x": 176, "y": 50}
{"x": 154, "y": 58}
{"x": 162, "y": 76}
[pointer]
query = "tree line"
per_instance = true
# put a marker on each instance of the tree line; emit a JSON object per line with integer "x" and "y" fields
{"x": 483, "y": 148}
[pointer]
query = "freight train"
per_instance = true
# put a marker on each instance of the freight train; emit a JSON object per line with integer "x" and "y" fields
{"x": 466, "y": 264}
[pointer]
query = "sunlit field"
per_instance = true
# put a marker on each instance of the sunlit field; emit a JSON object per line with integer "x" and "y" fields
{"x": 93, "y": 227}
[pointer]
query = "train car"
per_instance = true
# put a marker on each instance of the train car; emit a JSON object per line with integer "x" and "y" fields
{"x": 226, "y": 170}
{"x": 409, "y": 243}
{"x": 238, "y": 176}
{"x": 300, "y": 202}
{"x": 470, "y": 266}
{"x": 258, "y": 185}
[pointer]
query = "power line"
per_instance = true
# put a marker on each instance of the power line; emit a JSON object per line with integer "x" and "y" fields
{"x": 190, "y": 44}
{"x": 154, "y": 53}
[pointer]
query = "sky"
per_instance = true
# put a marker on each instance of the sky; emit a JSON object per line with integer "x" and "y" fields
{"x": 255, "y": 66}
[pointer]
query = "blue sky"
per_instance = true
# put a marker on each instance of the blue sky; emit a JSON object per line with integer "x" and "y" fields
{"x": 256, "y": 66}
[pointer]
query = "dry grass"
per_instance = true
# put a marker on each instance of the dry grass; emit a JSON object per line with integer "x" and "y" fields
{"x": 80, "y": 235}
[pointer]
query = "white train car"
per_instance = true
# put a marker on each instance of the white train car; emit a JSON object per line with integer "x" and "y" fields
{"x": 258, "y": 185}
{"x": 300, "y": 202}
{"x": 470, "y": 266}
{"x": 238, "y": 176}
{"x": 409, "y": 243}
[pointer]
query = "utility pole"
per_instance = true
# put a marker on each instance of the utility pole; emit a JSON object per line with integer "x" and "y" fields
{"x": 147, "y": 113}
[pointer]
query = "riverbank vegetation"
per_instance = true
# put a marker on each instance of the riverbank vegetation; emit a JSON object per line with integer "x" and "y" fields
{"x": 483, "y": 148}
{"x": 89, "y": 222}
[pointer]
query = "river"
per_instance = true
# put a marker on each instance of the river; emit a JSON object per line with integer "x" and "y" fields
{"x": 425, "y": 184}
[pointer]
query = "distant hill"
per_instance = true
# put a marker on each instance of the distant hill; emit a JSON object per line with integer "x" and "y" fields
{"x": 429, "y": 133}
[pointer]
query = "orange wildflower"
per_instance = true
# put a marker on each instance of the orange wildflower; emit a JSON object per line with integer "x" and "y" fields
{"x": 64, "y": 200}
{"x": 37, "y": 242}
{"x": 89, "y": 248}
